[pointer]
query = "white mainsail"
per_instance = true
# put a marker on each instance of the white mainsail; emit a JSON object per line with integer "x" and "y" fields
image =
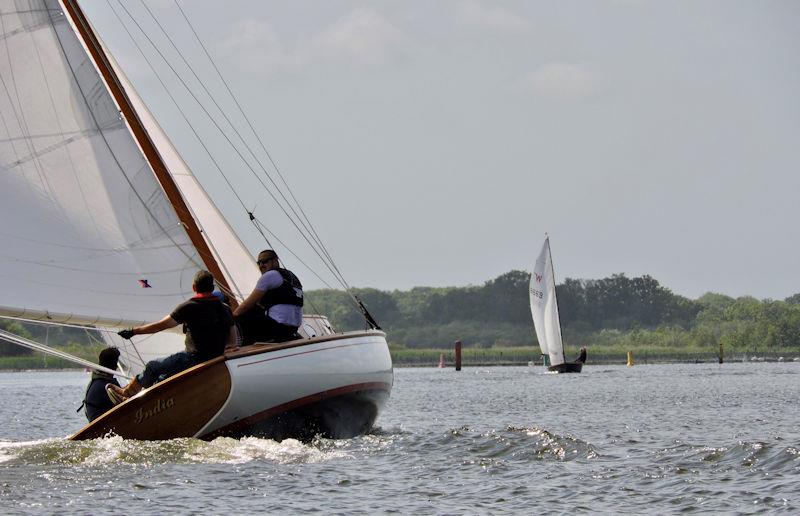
{"x": 544, "y": 307}
{"x": 87, "y": 228}
{"x": 89, "y": 234}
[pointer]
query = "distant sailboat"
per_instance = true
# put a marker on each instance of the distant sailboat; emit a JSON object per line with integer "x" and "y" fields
{"x": 104, "y": 225}
{"x": 544, "y": 309}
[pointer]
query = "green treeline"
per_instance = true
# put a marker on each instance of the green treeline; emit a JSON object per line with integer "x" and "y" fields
{"x": 610, "y": 315}
{"x": 616, "y": 312}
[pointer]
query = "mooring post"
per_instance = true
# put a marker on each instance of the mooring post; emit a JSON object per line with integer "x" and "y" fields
{"x": 458, "y": 355}
{"x": 720, "y": 352}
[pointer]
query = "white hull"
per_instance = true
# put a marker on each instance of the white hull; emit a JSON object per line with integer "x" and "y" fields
{"x": 334, "y": 385}
{"x": 265, "y": 384}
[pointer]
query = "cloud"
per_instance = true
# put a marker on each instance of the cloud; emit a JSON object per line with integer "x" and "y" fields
{"x": 360, "y": 39}
{"x": 560, "y": 81}
{"x": 254, "y": 44}
{"x": 492, "y": 18}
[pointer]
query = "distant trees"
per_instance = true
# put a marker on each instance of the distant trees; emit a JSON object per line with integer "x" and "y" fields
{"x": 616, "y": 310}
{"x": 622, "y": 303}
{"x": 9, "y": 348}
{"x": 793, "y": 300}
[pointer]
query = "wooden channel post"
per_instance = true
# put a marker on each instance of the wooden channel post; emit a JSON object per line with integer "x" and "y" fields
{"x": 458, "y": 355}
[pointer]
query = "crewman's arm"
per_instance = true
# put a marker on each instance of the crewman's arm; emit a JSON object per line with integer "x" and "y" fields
{"x": 164, "y": 324}
{"x": 249, "y": 303}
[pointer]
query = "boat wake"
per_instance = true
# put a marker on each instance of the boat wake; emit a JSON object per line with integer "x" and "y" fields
{"x": 743, "y": 456}
{"x": 519, "y": 444}
{"x": 223, "y": 450}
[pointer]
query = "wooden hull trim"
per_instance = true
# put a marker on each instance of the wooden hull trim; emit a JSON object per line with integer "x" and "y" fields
{"x": 179, "y": 406}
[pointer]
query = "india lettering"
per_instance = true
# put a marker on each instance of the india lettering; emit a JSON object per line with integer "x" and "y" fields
{"x": 159, "y": 406}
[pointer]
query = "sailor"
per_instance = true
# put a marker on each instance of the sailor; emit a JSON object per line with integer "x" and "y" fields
{"x": 274, "y": 310}
{"x": 582, "y": 356}
{"x": 208, "y": 325}
{"x": 96, "y": 402}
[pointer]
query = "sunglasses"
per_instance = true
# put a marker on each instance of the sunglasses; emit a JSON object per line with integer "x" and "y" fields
{"x": 264, "y": 262}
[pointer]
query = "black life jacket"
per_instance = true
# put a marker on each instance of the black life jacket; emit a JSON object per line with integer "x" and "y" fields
{"x": 289, "y": 293}
{"x": 95, "y": 400}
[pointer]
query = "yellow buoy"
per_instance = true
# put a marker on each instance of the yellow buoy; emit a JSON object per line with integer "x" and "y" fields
{"x": 630, "y": 358}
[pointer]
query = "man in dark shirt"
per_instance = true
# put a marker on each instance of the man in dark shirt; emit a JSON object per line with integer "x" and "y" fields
{"x": 96, "y": 402}
{"x": 209, "y": 329}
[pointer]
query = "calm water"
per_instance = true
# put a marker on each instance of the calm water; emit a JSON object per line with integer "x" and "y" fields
{"x": 648, "y": 439}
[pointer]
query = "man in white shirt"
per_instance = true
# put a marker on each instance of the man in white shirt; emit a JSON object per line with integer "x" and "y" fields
{"x": 274, "y": 310}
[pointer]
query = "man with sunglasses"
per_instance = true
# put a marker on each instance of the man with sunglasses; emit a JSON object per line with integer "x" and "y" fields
{"x": 274, "y": 310}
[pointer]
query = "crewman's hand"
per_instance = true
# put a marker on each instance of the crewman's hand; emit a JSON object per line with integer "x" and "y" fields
{"x": 126, "y": 334}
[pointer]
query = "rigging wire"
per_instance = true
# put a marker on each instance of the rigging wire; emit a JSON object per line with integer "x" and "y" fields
{"x": 307, "y": 234}
{"x": 254, "y": 132}
{"x": 121, "y": 169}
{"x": 302, "y": 224}
{"x": 227, "y": 291}
{"x": 223, "y": 112}
{"x": 265, "y": 228}
{"x": 219, "y": 108}
{"x": 216, "y": 124}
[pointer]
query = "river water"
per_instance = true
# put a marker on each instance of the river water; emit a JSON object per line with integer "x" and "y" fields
{"x": 647, "y": 439}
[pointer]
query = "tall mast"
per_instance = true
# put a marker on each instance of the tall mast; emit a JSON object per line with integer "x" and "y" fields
{"x": 73, "y": 10}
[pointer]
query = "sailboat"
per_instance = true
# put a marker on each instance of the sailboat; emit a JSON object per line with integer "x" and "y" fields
{"x": 544, "y": 309}
{"x": 104, "y": 225}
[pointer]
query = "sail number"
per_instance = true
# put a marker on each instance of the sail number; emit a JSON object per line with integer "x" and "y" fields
{"x": 537, "y": 293}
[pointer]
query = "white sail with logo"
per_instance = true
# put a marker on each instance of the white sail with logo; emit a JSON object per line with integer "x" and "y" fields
{"x": 544, "y": 307}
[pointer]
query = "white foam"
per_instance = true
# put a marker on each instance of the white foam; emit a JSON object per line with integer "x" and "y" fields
{"x": 239, "y": 451}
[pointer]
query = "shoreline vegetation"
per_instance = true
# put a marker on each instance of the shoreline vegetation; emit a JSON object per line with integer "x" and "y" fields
{"x": 609, "y": 316}
{"x": 476, "y": 357}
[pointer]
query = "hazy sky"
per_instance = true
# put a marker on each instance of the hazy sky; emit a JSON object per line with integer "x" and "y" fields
{"x": 434, "y": 143}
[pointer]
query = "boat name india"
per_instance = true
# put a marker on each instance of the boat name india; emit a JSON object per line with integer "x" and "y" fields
{"x": 159, "y": 406}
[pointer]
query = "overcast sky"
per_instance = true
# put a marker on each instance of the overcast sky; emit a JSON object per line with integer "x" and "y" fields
{"x": 434, "y": 143}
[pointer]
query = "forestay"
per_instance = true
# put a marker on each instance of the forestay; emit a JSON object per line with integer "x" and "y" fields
{"x": 544, "y": 306}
